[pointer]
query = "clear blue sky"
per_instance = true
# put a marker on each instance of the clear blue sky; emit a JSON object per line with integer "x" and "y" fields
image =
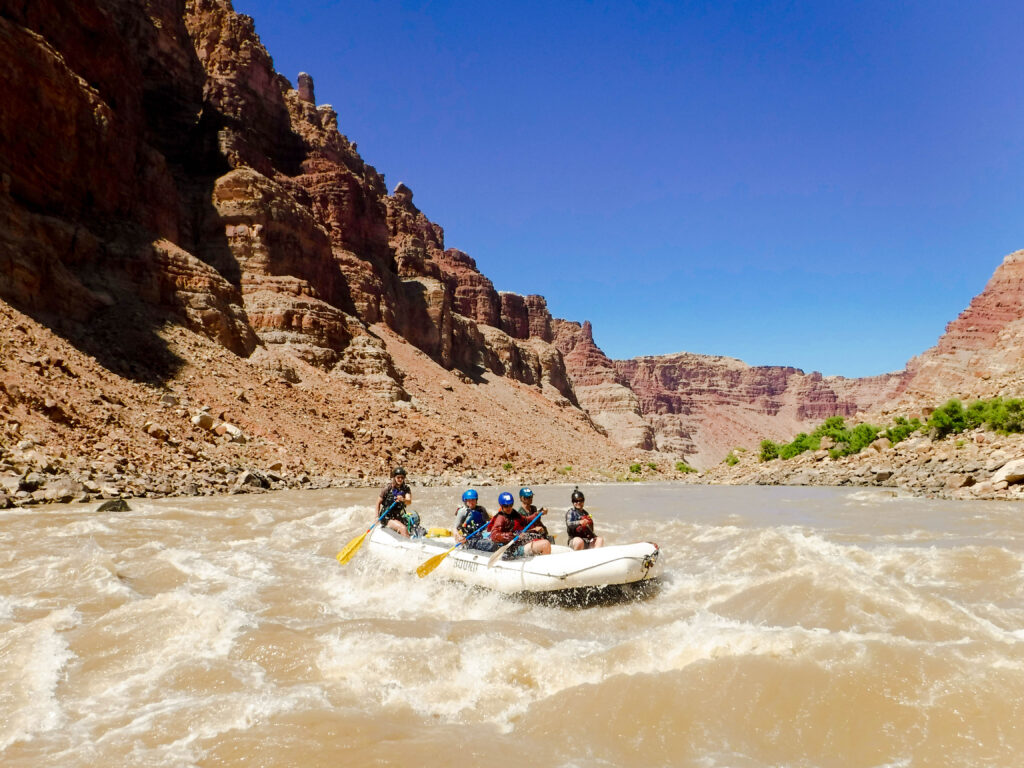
{"x": 817, "y": 184}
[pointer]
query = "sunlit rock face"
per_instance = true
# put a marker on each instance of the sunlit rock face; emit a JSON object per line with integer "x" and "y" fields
{"x": 599, "y": 387}
{"x": 172, "y": 176}
{"x": 180, "y": 167}
{"x": 981, "y": 354}
{"x": 703, "y": 406}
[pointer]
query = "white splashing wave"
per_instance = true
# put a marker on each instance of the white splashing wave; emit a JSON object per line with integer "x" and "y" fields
{"x": 138, "y": 643}
{"x": 32, "y": 661}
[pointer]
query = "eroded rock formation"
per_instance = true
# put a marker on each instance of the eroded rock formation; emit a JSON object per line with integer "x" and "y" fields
{"x": 190, "y": 169}
{"x": 702, "y": 406}
{"x": 156, "y": 170}
{"x": 981, "y": 354}
{"x": 600, "y": 388}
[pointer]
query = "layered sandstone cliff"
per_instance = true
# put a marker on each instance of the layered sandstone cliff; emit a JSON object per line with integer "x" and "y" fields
{"x": 179, "y": 166}
{"x": 157, "y": 173}
{"x": 981, "y": 354}
{"x": 600, "y": 388}
{"x": 702, "y": 406}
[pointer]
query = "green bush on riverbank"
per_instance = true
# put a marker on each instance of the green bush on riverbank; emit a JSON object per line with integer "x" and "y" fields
{"x": 842, "y": 440}
{"x": 996, "y": 414}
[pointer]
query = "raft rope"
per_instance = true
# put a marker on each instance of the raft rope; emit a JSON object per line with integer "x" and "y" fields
{"x": 647, "y": 561}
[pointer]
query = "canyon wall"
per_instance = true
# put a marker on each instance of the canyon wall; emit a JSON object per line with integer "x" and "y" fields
{"x": 170, "y": 167}
{"x": 157, "y": 171}
{"x": 702, "y": 406}
{"x": 981, "y": 354}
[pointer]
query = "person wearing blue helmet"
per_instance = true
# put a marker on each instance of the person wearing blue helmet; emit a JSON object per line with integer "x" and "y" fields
{"x": 469, "y": 517}
{"x": 528, "y": 511}
{"x": 508, "y": 524}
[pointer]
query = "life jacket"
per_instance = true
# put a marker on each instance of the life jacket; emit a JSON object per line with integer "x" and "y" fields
{"x": 411, "y": 519}
{"x": 473, "y": 520}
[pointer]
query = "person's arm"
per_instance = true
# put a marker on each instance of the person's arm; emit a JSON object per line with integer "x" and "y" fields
{"x": 538, "y": 524}
{"x": 571, "y": 522}
{"x": 502, "y": 530}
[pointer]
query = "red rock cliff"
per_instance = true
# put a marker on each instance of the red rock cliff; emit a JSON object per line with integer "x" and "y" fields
{"x": 173, "y": 170}
{"x": 702, "y": 406}
{"x": 156, "y": 169}
{"x": 981, "y": 354}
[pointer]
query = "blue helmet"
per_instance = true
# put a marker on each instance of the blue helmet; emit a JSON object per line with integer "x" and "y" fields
{"x": 525, "y": 493}
{"x": 470, "y": 495}
{"x": 505, "y": 499}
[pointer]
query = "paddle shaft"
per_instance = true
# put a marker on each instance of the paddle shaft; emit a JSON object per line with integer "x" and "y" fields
{"x": 394, "y": 503}
{"x": 349, "y": 550}
{"x": 497, "y": 555}
{"x": 428, "y": 566}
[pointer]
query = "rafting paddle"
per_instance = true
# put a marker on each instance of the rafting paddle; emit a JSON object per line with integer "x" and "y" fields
{"x": 429, "y": 565}
{"x": 497, "y": 555}
{"x": 353, "y": 546}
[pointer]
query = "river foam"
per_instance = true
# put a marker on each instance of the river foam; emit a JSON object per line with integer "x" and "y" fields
{"x": 792, "y": 626}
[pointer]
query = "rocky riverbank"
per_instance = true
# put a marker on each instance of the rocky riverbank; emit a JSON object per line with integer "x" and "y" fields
{"x": 73, "y": 430}
{"x": 972, "y": 465}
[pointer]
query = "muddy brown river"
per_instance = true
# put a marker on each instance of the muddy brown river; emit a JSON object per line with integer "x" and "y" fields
{"x": 793, "y": 627}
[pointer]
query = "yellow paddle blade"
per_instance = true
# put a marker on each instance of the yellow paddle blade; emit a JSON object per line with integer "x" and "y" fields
{"x": 429, "y": 565}
{"x": 350, "y": 549}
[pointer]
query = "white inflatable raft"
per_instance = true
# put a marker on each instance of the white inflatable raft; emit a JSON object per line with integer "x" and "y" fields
{"x": 563, "y": 569}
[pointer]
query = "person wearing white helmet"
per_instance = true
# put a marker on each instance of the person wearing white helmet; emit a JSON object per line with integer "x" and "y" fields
{"x": 508, "y": 524}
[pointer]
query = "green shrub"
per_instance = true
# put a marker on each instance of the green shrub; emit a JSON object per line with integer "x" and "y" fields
{"x": 507, "y": 466}
{"x": 802, "y": 442}
{"x": 652, "y": 465}
{"x": 732, "y": 460}
{"x": 902, "y": 428}
{"x": 948, "y": 419}
{"x": 833, "y": 427}
{"x": 1005, "y": 415}
{"x": 635, "y": 468}
{"x": 862, "y": 436}
{"x": 682, "y": 466}
{"x": 997, "y": 414}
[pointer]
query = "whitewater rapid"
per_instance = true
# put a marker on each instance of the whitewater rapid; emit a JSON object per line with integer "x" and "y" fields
{"x": 802, "y": 627}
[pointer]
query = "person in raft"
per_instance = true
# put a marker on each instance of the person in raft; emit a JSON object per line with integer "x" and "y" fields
{"x": 468, "y": 518}
{"x": 580, "y": 525}
{"x": 528, "y": 511}
{"x": 507, "y": 524}
{"x": 397, "y": 519}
